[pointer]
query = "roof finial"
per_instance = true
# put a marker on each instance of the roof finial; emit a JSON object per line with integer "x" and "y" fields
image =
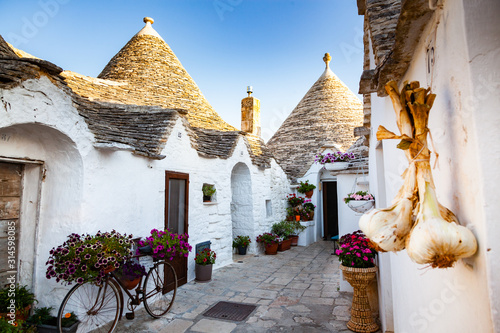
{"x": 249, "y": 90}
{"x": 148, "y": 19}
{"x": 327, "y": 59}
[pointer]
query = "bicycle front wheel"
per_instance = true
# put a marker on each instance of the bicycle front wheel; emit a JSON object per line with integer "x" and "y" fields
{"x": 96, "y": 307}
{"x": 159, "y": 289}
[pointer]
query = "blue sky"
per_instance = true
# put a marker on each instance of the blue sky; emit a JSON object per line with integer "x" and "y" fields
{"x": 276, "y": 46}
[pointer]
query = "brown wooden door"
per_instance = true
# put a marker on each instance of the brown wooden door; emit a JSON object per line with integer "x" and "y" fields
{"x": 176, "y": 214}
{"x": 10, "y": 201}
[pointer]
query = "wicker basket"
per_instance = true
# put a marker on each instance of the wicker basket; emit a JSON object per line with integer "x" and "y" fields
{"x": 361, "y": 315}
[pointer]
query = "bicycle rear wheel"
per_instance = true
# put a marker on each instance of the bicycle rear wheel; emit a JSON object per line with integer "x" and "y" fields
{"x": 160, "y": 288}
{"x": 96, "y": 307}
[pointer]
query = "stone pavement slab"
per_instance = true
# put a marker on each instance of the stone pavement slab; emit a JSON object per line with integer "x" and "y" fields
{"x": 295, "y": 291}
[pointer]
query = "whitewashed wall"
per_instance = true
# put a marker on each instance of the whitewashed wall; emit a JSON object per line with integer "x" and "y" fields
{"x": 464, "y": 122}
{"x": 87, "y": 189}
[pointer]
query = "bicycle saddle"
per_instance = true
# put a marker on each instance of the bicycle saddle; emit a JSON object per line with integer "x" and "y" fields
{"x": 145, "y": 249}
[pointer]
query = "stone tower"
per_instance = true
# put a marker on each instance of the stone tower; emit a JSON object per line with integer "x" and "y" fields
{"x": 250, "y": 114}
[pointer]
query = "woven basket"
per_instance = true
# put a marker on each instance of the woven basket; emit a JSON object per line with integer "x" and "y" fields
{"x": 361, "y": 314}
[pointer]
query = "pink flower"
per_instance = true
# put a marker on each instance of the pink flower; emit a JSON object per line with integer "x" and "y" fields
{"x": 358, "y": 254}
{"x": 365, "y": 258}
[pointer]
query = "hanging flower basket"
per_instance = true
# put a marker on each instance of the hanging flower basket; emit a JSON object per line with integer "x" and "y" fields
{"x": 361, "y": 206}
{"x": 336, "y": 166}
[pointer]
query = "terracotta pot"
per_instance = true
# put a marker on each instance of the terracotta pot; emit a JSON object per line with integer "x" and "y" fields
{"x": 207, "y": 198}
{"x": 130, "y": 284}
{"x": 361, "y": 314}
{"x": 272, "y": 248}
{"x": 297, "y": 217}
{"x": 203, "y": 272}
{"x": 242, "y": 250}
{"x": 309, "y": 193}
{"x": 294, "y": 239}
{"x": 285, "y": 245}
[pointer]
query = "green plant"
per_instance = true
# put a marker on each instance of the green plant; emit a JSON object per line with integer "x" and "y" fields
{"x": 21, "y": 294}
{"x": 84, "y": 258}
{"x": 205, "y": 257}
{"x": 243, "y": 241}
{"x": 294, "y": 200}
{"x": 305, "y": 187}
{"x": 18, "y": 326}
{"x": 297, "y": 227}
{"x": 268, "y": 238}
{"x": 166, "y": 244}
{"x": 208, "y": 190}
{"x": 283, "y": 229}
{"x": 43, "y": 316}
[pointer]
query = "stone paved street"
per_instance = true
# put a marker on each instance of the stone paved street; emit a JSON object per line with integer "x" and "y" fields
{"x": 295, "y": 291}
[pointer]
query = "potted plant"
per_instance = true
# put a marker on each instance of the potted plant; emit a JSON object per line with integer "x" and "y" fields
{"x": 130, "y": 274}
{"x": 47, "y": 323}
{"x": 297, "y": 229}
{"x": 17, "y": 326}
{"x": 270, "y": 242}
{"x": 335, "y": 161}
{"x": 294, "y": 200}
{"x": 358, "y": 267}
{"x": 306, "y": 188}
{"x": 307, "y": 211}
{"x": 19, "y": 309}
{"x": 360, "y": 201}
{"x": 283, "y": 229}
{"x": 166, "y": 244}
{"x": 241, "y": 243}
{"x": 204, "y": 262}
{"x": 88, "y": 257}
{"x": 208, "y": 191}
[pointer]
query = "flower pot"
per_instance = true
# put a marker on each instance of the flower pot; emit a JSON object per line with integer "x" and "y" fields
{"x": 109, "y": 269}
{"x": 53, "y": 329}
{"x": 203, "y": 272}
{"x": 242, "y": 250}
{"x": 207, "y": 198}
{"x": 336, "y": 166}
{"x": 285, "y": 245}
{"x": 294, "y": 240}
{"x": 297, "y": 217}
{"x": 272, "y": 248}
{"x": 361, "y": 206}
{"x": 309, "y": 193}
{"x": 361, "y": 314}
{"x": 130, "y": 284}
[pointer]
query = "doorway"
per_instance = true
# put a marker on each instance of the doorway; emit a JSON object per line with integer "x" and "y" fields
{"x": 176, "y": 215}
{"x": 241, "y": 201}
{"x": 10, "y": 203}
{"x": 330, "y": 210}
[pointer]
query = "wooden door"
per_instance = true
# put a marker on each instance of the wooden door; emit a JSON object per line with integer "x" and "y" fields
{"x": 10, "y": 201}
{"x": 176, "y": 215}
{"x": 330, "y": 210}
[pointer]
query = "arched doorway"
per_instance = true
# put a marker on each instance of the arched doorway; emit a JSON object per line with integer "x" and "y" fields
{"x": 241, "y": 201}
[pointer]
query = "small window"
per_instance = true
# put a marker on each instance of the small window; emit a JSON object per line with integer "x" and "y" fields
{"x": 209, "y": 193}
{"x": 269, "y": 209}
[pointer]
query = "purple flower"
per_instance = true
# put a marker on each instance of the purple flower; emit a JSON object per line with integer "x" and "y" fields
{"x": 79, "y": 280}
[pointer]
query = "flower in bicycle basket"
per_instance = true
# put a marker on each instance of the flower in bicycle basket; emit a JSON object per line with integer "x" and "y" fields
{"x": 205, "y": 257}
{"x": 131, "y": 270}
{"x": 67, "y": 315}
{"x": 83, "y": 258}
{"x": 166, "y": 244}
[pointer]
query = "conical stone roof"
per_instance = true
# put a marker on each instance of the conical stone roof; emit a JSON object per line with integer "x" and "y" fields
{"x": 327, "y": 114}
{"x": 146, "y": 72}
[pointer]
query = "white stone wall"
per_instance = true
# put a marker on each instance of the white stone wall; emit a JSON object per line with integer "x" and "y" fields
{"x": 464, "y": 123}
{"x": 87, "y": 189}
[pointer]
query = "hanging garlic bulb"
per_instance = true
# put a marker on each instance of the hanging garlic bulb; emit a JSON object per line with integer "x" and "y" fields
{"x": 435, "y": 241}
{"x": 388, "y": 228}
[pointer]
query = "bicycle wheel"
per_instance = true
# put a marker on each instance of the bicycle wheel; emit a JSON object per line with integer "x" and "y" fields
{"x": 159, "y": 289}
{"x": 96, "y": 307}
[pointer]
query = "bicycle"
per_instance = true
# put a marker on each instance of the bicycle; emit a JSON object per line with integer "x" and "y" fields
{"x": 100, "y": 307}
